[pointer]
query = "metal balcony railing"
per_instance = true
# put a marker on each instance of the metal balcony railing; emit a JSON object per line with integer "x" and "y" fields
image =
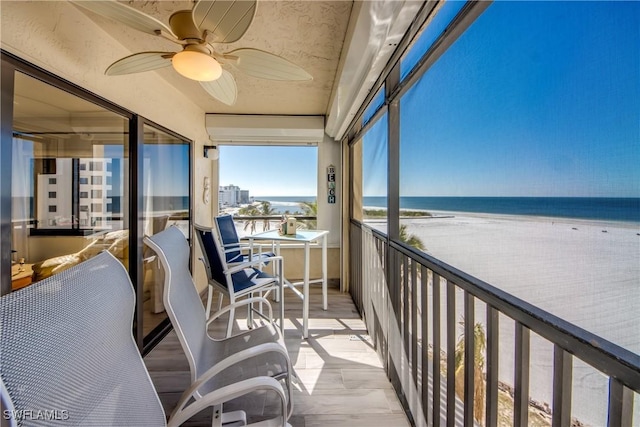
{"x": 409, "y": 301}
{"x": 272, "y": 218}
{"x": 269, "y": 222}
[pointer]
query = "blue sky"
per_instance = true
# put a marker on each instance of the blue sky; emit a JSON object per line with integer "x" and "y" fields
{"x": 269, "y": 170}
{"x": 535, "y": 99}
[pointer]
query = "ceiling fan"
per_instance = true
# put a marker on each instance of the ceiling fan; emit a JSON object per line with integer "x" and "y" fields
{"x": 209, "y": 23}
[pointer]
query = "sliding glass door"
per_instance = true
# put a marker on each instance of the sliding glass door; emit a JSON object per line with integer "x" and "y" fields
{"x": 81, "y": 175}
{"x": 166, "y": 203}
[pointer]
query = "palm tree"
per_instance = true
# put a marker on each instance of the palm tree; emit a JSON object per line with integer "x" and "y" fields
{"x": 478, "y": 370}
{"x": 309, "y": 209}
{"x": 250, "y": 210}
{"x": 266, "y": 210}
{"x": 411, "y": 239}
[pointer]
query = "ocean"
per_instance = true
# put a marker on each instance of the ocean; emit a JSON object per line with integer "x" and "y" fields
{"x": 286, "y": 204}
{"x": 595, "y": 208}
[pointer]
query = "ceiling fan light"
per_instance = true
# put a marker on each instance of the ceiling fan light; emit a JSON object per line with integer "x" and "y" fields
{"x": 196, "y": 66}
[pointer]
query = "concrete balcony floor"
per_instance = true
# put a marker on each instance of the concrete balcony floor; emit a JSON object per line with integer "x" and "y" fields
{"x": 341, "y": 381}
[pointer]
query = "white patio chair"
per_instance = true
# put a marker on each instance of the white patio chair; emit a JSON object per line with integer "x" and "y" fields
{"x": 68, "y": 357}
{"x": 256, "y": 352}
{"x": 237, "y": 280}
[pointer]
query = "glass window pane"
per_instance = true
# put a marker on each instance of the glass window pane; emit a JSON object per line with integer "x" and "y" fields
{"x": 55, "y": 134}
{"x": 167, "y": 201}
{"x": 374, "y": 174}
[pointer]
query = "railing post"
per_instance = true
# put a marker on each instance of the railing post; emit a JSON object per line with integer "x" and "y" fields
{"x": 469, "y": 359}
{"x": 424, "y": 289}
{"x": 403, "y": 299}
{"x": 493, "y": 337}
{"x": 521, "y": 395}
{"x": 451, "y": 350}
{"x": 437, "y": 403}
{"x": 562, "y": 376}
{"x": 414, "y": 322}
{"x": 395, "y": 285}
{"x": 620, "y": 404}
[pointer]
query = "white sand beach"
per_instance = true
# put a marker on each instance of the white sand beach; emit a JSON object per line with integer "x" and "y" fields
{"x": 586, "y": 272}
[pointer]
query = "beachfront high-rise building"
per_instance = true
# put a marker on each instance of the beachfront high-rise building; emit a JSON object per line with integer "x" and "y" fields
{"x": 56, "y": 190}
{"x": 232, "y": 195}
{"x": 244, "y": 197}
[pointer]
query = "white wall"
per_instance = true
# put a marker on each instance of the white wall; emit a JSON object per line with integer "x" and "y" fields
{"x": 329, "y": 153}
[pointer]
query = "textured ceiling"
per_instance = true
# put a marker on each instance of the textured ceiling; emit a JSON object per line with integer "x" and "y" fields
{"x": 307, "y": 33}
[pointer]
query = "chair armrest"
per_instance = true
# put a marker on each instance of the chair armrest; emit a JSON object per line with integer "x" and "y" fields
{"x": 185, "y": 411}
{"x": 239, "y": 247}
{"x": 244, "y": 247}
{"x": 221, "y": 366}
{"x": 247, "y": 353}
{"x": 149, "y": 259}
{"x": 232, "y": 249}
{"x": 238, "y": 267}
{"x": 236, "y": 245}
{"x": 240, "y": 303}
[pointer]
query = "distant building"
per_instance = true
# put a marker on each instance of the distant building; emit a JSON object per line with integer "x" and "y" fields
{"x": 232, "y": 195}
{"x": 244, "y": 197}
{"x": 93, "y": 192}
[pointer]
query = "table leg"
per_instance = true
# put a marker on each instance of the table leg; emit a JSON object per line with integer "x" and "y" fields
{"x": 281, "y": 268}
{"x": 305, "y": 291}
{"x": 324, "y": 272}
{"x": 280, "y": 291}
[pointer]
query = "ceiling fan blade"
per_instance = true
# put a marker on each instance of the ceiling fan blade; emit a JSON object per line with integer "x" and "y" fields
{"x": 139, "y": 62}
{"x": 226, "y": 20}
{"x": 224, "y": 89}
{"x": 127, "y": 15}
{"x": 265, "y": 65}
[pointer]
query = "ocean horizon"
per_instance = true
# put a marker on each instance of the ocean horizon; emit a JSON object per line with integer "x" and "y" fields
{"x": 595, "y": 208}
{"x": 625, "y": 209}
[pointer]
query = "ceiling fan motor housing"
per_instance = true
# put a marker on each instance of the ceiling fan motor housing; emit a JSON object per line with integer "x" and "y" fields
{"x": 182, "y": 25}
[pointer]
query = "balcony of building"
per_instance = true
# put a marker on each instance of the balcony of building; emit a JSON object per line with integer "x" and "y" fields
{"x": 396, "y": 348}
{"x": 414, "y": 97}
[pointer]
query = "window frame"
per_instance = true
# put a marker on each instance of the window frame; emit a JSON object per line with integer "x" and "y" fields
{"x": 395, "y": 87}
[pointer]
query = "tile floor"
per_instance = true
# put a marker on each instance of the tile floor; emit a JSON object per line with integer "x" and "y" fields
{"x": 341, "y": 380}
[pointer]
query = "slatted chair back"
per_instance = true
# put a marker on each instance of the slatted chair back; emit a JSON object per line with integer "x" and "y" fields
{"x": 67, "y": 353}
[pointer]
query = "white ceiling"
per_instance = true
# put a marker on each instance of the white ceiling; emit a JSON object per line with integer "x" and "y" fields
{"x": 344, "y": 45}
{"x": 308, "y": 33}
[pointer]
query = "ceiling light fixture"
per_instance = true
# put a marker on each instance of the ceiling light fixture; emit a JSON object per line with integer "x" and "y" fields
{"x": 196, "y": 65}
